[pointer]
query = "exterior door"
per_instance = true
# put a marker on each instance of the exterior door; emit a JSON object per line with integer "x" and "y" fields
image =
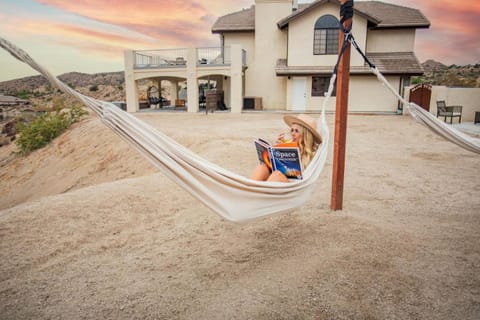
{"x": 420, "y": 95}
{"x": 299, "y": 96}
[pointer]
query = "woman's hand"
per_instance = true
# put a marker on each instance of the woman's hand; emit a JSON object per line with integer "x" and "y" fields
{"x": 282, "y": 138}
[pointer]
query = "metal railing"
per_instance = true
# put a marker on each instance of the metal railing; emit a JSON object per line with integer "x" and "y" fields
{"x": 166, "y": 58}
{"x": 214, "y": 56}
{"x": 177, "y": 58}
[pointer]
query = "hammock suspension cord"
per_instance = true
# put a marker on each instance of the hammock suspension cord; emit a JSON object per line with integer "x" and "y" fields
{"x": 422, "y": 116}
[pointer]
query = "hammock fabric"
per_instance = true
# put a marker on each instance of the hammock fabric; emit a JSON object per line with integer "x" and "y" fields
{"x": 426, "y": 118}
{"x": 421, "y": 115}
{"x": 230, "y": 195}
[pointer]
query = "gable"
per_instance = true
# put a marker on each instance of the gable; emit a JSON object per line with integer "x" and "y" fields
{"x": 234, "y": 22}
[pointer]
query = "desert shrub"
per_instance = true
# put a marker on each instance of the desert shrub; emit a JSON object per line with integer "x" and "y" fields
{"x": 22, "y": 94}
{"x": 417, "y": 80}
{"x": 93, "y": 88}
{"x": 39, "y": 132}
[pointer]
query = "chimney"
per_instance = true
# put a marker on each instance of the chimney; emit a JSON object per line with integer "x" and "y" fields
{"x": 294, "y": 5}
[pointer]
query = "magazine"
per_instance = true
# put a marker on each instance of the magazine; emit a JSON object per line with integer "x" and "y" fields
{"x": 284, "y": 157}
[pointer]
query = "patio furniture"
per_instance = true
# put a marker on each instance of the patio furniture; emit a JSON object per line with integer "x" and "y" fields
{"x": 179, "y": 103}
{"x": 449, "y": 111}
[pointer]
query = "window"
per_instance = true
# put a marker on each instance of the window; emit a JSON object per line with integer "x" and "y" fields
{"x": 325, "y": 38}
{"x": 320, "y": 86}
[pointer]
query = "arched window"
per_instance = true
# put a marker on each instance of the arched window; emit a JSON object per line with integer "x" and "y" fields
{"x": 325, "y": 39}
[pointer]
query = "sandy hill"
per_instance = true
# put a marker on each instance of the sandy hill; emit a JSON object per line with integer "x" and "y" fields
{"x": 87, "y": 154}
{"x": 89, "y": 229}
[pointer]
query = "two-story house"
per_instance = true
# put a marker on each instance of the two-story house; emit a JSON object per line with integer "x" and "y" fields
{"x": 283, "y": 54}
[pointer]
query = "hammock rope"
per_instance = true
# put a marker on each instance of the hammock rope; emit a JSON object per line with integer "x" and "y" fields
{"x": 421, "y": 115}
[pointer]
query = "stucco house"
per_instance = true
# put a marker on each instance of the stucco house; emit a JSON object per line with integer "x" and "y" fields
{"x": 281, "y": 54}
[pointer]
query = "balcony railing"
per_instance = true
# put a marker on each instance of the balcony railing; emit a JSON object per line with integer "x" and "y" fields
{"x": 213, "y": 56}
{"x": 165, "y": 58}
{"x": 177, "y": 58}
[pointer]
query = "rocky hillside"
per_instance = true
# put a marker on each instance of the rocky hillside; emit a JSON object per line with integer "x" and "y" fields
{"x": 36, "y": 89}
{"x": 73, "y": 79}
{"x": 437, "y": 73}
{"x": 107, "y": 86}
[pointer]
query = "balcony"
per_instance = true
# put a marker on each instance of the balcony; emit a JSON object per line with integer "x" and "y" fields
{"x": 225, "y": 65}
{"x": 177, "y": 58}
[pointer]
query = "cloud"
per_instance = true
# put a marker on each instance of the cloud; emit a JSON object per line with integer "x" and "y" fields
{"x": 452, "y": 36}
{"x": 174, "y": 22}
{"x": 86, "y": 39}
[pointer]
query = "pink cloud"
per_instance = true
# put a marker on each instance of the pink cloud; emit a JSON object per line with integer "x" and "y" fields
{"x": 452, "y": 36}
{"x": 175, "y": 22}
{"x": 82, "y": 38}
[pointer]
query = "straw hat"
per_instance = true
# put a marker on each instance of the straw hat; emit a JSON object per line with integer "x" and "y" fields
{"x": 305, "y": 121}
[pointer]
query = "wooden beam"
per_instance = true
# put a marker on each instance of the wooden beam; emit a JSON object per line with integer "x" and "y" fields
{"x": 341, "y": 112}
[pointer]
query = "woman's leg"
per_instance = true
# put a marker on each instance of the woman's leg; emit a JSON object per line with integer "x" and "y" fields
{"x": 260, "y": 173}
{"x": 278, "y": 177}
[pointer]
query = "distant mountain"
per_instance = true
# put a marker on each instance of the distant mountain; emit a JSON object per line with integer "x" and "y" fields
{"x": 73, "y": 79}
{"x": 432, "y": 64}
{"x": 436, "y": 73}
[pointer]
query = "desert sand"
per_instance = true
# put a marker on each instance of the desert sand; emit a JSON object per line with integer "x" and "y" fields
{"x": 91, "y": 230}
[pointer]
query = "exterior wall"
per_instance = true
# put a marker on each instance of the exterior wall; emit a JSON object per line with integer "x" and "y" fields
{"x": 247, "y": 41}
{"x": 366, "y": 94}
{"x": 270, "y": 45}
{"x": 468, "y": 98}
{"x": 300, "y": 39}
{"x": 391, "y": 40}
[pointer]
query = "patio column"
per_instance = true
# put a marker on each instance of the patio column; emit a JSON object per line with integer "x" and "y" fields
{"x": 173, "y": 91}
{"x": 236, "y": 79}
{"x": 192, "y": 84}
{"x": 131, "y": 88}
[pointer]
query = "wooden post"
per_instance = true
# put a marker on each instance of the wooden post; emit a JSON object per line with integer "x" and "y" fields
{"x": 341, "y": 112}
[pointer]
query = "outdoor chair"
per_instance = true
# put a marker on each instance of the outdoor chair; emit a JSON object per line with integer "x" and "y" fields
{"x": 448, "y": 111}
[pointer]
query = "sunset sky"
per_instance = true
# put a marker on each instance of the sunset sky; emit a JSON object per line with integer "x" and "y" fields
{"x": 89, "y": 35}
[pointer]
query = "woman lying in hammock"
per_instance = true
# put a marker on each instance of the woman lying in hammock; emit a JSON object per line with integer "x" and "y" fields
{"x": 303, "y": 132}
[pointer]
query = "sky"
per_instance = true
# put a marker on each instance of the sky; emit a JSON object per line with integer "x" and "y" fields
{"x": 90, "y": 36}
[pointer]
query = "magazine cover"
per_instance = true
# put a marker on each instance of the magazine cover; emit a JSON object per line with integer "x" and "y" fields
{"x": 263, "y": 152}
{"x": 283, "y": 157}
{"x": 287, "y": 161}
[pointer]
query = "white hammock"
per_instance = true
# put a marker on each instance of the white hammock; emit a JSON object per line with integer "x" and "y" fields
{"x": 426, "y": 118}
{"x": 230, "y": 195}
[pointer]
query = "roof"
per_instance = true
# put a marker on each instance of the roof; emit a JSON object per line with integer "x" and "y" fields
{"x": 378, "y": 14}
{"x": 386, "y": 63}
{"x": 240, "y": 21}
{"x": 392, "y": 16}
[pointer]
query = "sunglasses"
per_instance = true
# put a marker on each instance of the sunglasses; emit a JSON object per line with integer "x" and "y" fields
{"x": 292, "y": 130}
